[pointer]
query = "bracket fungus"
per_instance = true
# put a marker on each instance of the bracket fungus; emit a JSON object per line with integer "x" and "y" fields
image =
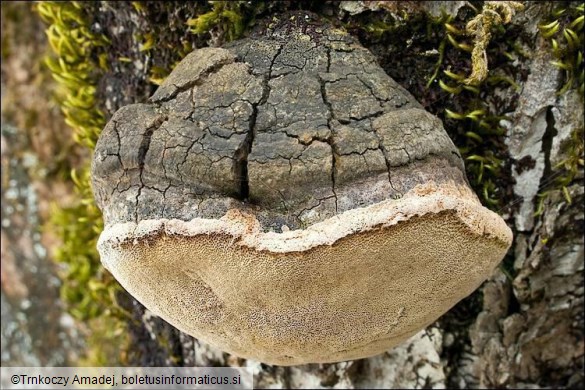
{"x": 285, "y": 200}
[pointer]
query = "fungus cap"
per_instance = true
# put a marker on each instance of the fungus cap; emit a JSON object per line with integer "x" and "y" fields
{"x": 285, "y": 200}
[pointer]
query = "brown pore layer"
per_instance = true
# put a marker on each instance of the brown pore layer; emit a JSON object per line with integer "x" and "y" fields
{"x": 229, "y": 284}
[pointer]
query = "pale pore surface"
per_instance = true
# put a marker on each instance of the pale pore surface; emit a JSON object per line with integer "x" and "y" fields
{"x": 277, "y": 299}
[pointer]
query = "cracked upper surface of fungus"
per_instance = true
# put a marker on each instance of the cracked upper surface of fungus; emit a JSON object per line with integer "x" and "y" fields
{"x": 285, "y": 199}
{"x": 302, "y": 127}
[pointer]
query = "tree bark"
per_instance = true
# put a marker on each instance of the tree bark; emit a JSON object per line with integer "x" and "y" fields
{"x": 524, "y": 326}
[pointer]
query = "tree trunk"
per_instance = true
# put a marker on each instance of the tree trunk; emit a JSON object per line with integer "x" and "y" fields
{"x": 524, "y": 326}
{"x": 528, "y": 331}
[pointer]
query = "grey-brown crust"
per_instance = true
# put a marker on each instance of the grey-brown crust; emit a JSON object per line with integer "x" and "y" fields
{"x": 294, "y": 125}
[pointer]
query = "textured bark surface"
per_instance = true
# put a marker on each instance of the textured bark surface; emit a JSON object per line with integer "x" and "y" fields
{"x": 520, "y": 337}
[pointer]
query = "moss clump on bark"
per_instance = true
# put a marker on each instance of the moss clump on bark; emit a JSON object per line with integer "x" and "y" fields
{"x": 434, "y": 65}
{"x": 88, "y": 291}
{"x": 73, "y": 42}
{"x": 74, "y": 69}
{"x": 564, "y": 29}
{"x": 494, "y": 13}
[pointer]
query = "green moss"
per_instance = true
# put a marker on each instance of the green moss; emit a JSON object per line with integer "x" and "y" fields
{"x": 475, "y": 113}
{"x": 232, "y": 18}
{"x": 222, "y": 15}
{"x": 72, "y": 41}
{"x": 493, "y": 14}
{"x": 165, "y": 44}
{"x": 480, "y": 118}
{"x": 564, "y": 29}
{"x": 571, "y": 165}
{"x": 566, "y": 171}
{"x": 87, "y": 289}
{"x": 378, "y": 27}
